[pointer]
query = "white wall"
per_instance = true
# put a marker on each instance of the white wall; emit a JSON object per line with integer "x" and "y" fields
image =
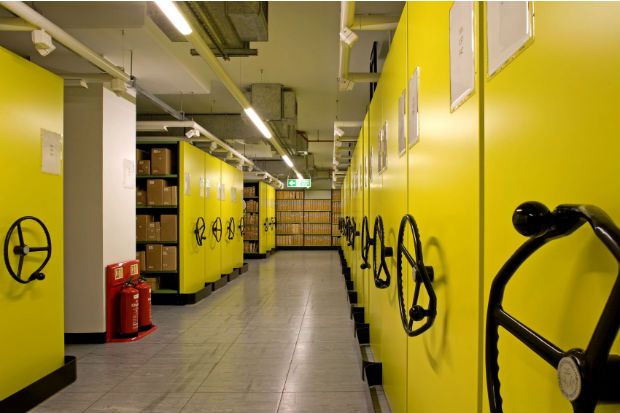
{"x": 99, "y": 214}
{"x": 119, "y": 189}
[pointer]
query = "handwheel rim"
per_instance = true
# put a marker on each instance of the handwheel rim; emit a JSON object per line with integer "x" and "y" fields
{"x": 379, "y": 240}
{"x": 25, "y": 250}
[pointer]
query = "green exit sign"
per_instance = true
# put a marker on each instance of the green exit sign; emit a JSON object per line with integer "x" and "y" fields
{"x": 298, "y": 183}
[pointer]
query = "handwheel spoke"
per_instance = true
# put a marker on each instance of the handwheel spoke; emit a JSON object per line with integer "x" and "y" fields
{"x": 407, "y": 255}
{"x": 21, "y": 264}
{"x": 20, "y": 235}
{"x": 416, "y": 293}
{"x": 38, "y": 249}
{"x": 540, "y": 345}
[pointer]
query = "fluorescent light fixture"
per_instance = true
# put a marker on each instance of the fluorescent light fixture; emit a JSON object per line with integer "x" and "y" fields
{"x": 258, "y": 122}
{"x": 338, "y": 132}
{"x": 287, "y": 160}
{"x": 175, "y": 17}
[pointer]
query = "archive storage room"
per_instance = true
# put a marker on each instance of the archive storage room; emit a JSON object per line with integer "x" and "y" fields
{"x": 310, "y": 206}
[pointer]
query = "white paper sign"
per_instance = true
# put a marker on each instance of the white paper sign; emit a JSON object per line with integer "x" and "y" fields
{"x": 187, "y": 186}
{"x": 129, "y": 174}
{"x": 202, "y": 187}
{"x": 223, "y": 192}
{"x": 51, "y": 152}
{"x": 402, "y": 121}
{"x": 413, "y": 115}
{"x": 385, "y": 146}
{"x": 509, "y": 28}
{"x": 370, "y": 166}
{"x": 219, "y": 192}
{"x": 207, "y": 188}
{"x": 233, "y": 194}
{"x": 461, "y": 52}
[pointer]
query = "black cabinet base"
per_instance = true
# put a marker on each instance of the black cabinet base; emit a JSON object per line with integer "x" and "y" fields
{"x": 357, "y": 313}
{"x": 180, "y": 299}
{"x": 85, "y": 338}
{"x": 372, "y": 372}
{"x": 219, "y": 283}
{"x": 362, "y": 332}
{"x": 29, "y": 397}
{"x": 254, "y": 255}
{"x": 232, "y": 275}
{"x": 244, "y": 268}
{"x": 352, "y": 296}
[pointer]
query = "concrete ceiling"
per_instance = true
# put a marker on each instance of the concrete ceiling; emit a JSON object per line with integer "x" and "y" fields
{"x": 301, "y": 54}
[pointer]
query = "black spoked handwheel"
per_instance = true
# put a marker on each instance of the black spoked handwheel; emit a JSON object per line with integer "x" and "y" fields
{"x": 422, "y": 275}
{"x": 199, "y": 231}
{"x": 585, "y": 377}
{"x": 230, "y": 229}
{"x": 379, "y": 243}
{"x": 23, "y": 249}
{"x": 266, "y": 224}
{"x": 272, "y": 223}
{"x": 216, "y": 229}
{"x": 341, "y": 225}
{"x": 347, "y": 229}
{"x": 241, "y": 226}
{"x": 366, "y": 243}
{"x": 353, "y": 233}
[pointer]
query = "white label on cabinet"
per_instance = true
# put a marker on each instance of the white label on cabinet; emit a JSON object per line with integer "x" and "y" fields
{"x": 187, "y": 185}
{"x": 461, "y": 52}
{"x": 51, "y": 152}
{"x": 509, "y": 28}
{"x": 202, "y": 187}
{"x": 223, "y": 196}
{"x": 402, "y": 122}
{"x": 129, "y": 174}
{"x": 219, "y": 192}
{"x": 207, "y": 188}
{"x": 413, "y": 115}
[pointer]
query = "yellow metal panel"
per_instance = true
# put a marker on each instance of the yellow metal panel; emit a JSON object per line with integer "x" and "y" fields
{"x": 271, "y": 214}
{"x": 32, "y": 315}
{"x": 228, "y": 212}
{"x": 191, "y": 207}
{"x": 366, "y": 276}
{"x": 358, "y": 214}
{"x": 392, "y": 206}
{"x": 263, "y": 242}
{"x": 443, "y": 363}
{"x": 237, "y": 207}
{"x": 212, "y": 211}
{"x": 551, "y": 135}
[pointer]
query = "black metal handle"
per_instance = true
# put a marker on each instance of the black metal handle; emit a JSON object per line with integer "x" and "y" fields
{"x": 585, "y": 377}
{"x": 366, "y": 243}
{"x": 266, "y": 224}
{"x": 353, "y": 232}
{"x": 24, "y": 249}
{"x": 199, "y": 231}
{"x": 216, "y": 229}
{"x": 242, "y": 226}
{"x": 341, "y": 225}
{"x": 379, "y": 243}
{"x": 230, "y": 229}
{"x": 422, "y": 275}
{"x": 272, "y": 223}
{"x": 347, "y": 228}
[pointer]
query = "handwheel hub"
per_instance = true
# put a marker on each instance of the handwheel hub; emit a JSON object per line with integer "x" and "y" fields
{"x": 569, "y": 378}
{"x": 22, "y": 250}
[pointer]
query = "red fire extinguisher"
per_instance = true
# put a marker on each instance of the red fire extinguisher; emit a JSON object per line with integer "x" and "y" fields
{"x": 129, "y": 309}
{"x": 144, "y": 307}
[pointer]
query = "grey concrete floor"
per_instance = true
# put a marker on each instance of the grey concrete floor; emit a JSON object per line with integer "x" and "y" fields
{"x": 276, "y": 339}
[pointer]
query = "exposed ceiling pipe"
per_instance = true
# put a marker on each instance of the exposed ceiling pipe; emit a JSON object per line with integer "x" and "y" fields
{"x": 29, "y": 15}
{"x": 198, "y": 42}
{"x": 167, "y": 108}
{"x": 370, "y": 22}
{"x": 190, "y": 124}
{"x": 15, "y": 24}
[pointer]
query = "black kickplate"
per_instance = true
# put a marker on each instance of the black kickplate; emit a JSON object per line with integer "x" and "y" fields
{"x": 37, "y": 392}
{"x": 357, "y": 313}
{"x": 233, "y": 275}
{"x": 347, "y": 273}
{"x": 195, "y": 297}
{"x": 244, "y": 268}
{"x": 352, "y": 297}
{"x": 372, "y": 372}
{"x": 85, "y": 338}
{"x": 254, "y": 255}
{"x": 220, "y": 283}
{"x": 349, "y": 284}
{"x": 362, "y": 331}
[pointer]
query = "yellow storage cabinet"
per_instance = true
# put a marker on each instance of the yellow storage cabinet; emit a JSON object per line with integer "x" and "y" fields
{"x": 237, "y": 210}
{"x": 357, "y": 216}
{"x": 263, "y": 219}
{"x": 444, "y": 199}
{"x": 32, "y": 322}
{"x": 191, "y": 219}
{"x": 212, "y": 211}
{"x": 271, "y": 217}
{"x": 366, "y": 275}
{"x": 392, "y": 170}
{"x": 229, "y": 216}
{"x": 551, "y": 129}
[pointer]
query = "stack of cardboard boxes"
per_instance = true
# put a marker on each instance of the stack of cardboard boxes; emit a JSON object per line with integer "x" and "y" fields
{"x": 157, "y": 191}
{"x": 157, "y": 257}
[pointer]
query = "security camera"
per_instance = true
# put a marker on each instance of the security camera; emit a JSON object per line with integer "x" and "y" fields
{"x": 348, "y": 36}
{"x": 42, "y": 42}
{"x": 192, "y": 133}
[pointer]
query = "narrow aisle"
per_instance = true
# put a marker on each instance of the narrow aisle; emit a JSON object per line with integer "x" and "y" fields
{"x": 278, "y": 338}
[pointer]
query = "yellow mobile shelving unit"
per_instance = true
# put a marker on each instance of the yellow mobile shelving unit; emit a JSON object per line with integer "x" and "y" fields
{"x": 259, "y": 220}
{"x": 32, "y": 351}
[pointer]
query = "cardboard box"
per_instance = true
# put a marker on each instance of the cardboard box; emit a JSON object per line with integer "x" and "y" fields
{"x": 141, "y": 155}
{"x": 142, "y": 222}
{"x": 141, "y": 256}
{"x": 153, "y": 282}
{"x": 169, "y": 258}
{"x": 144, "y": 167}
{"x": 168, "y": 228}
{"x": 140, "y": 197}
{"x": 161, "y": 161}
{"x": 170, "y": 195}
{"x": 155, "y": 191}
{"x": 153, "y": 231}
{"x": 153, "y": 257}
